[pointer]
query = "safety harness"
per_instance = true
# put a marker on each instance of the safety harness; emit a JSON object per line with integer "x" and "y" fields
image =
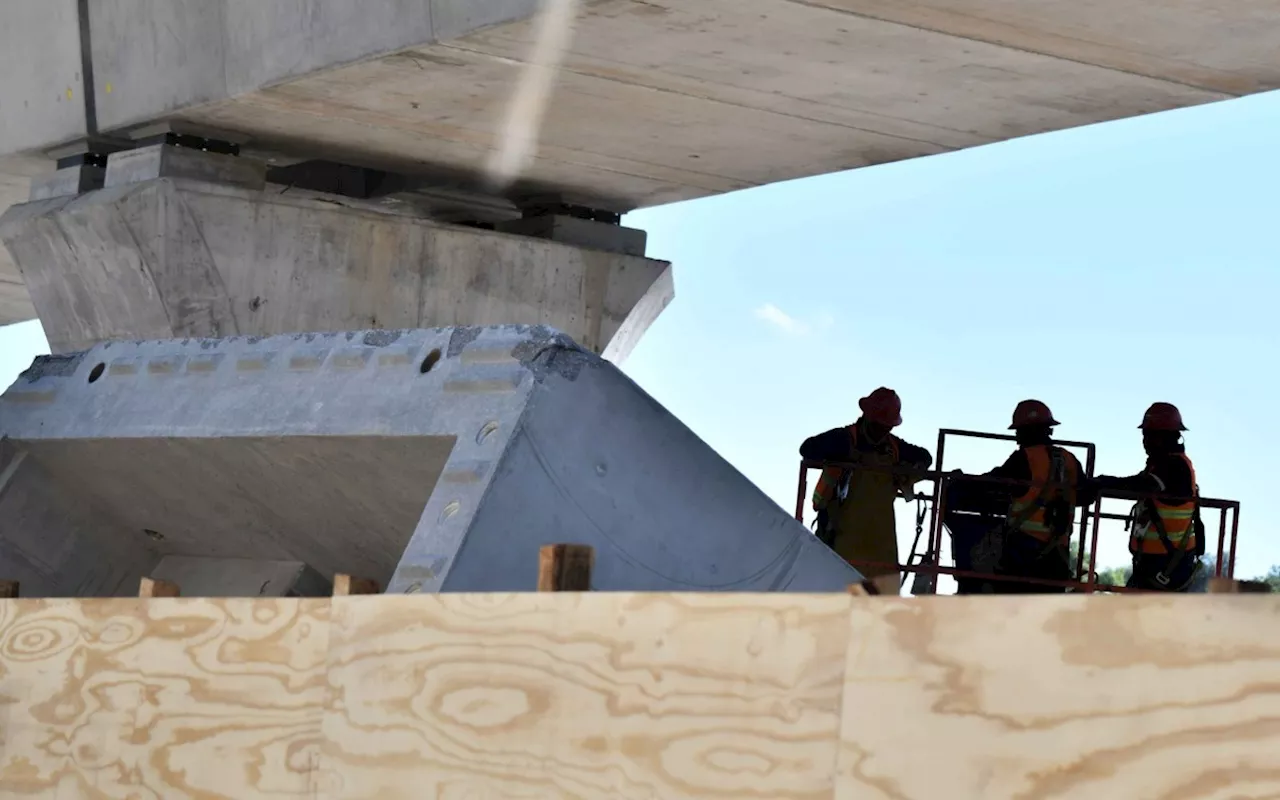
{"x": 1150, "y": 508}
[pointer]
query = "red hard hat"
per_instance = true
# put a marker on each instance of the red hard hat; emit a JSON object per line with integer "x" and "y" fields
{"x": 882, "y": 406}
{"x": 1032, "y": 414}
{"x": 1162, "y": 417}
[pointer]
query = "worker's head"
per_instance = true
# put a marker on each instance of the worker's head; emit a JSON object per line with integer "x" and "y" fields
{"x": 1032, "y": 422}
{"x": 881, "y": 412}
{"x": 1161, "y": 427}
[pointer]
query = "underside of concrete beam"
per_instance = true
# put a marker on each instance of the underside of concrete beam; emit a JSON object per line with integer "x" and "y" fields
{"x": 656, "y": 100}
{"x": 163, "y": 257}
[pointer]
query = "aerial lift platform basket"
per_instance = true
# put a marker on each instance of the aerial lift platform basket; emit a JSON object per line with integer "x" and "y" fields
{"x": 928, "y": 565}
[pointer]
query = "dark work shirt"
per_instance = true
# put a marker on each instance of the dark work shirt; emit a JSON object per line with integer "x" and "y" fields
{"x": 834, "y": 445}
{"x": 1165, "y": 474}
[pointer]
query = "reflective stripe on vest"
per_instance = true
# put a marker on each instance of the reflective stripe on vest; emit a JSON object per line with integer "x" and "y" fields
{"x": 1178, "y": 519}
{"x": 829, "y": 481}
{"x": 1039, "y": 459}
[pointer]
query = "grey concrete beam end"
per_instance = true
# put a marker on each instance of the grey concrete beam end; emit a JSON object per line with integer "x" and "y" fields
{"x": 429, "y": 460}
{"x": 168, "y": 161}
{"x": 68, "y": 182}
{"x": 170, "y": 257}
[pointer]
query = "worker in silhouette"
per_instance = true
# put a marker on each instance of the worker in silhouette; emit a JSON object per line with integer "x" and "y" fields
{"x": 1166, "y": 533}
{"x": 855, "y": 503}
{"x": 1042, "y": 485}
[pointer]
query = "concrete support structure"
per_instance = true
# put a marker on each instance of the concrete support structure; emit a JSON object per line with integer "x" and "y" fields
{"x": 182, "y": 243}
{"x": 434, "y": 460}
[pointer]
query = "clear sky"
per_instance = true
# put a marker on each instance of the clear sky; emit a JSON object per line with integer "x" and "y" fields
{"x": 1097, "y": 269}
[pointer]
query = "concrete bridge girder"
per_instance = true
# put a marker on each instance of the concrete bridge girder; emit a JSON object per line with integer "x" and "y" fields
{"x": 658, "y": 100}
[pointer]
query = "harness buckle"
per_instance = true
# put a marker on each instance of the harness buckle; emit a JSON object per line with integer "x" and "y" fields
{"x": 1162, "y": 579}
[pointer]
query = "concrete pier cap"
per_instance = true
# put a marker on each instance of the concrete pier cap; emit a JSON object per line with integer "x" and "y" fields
{"x": 183, "y": 243}
{"x": 428, "y": 460}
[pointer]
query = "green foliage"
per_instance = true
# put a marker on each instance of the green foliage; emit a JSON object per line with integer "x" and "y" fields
{"x": 1115, "y": 576}
{"x": 1272, "y": 578}
{"x": 1118, "y": 576}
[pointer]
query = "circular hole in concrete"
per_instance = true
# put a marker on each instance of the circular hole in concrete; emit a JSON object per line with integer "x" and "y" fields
{"x": 488, "y": 430}
{"x": 156, "y": 535}
{"x": 96, "y": 372}
{"x": 430, "y": 361}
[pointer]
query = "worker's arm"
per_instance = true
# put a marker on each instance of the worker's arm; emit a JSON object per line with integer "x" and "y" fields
{"x": 1164, "y": 475}
{"x": 1086, "y": 491}
{"x": 1014, "y": 468}
{"x": 1143, "y": 482}
{"x": 912, "y": 456}
{"x": 834, "y": 445}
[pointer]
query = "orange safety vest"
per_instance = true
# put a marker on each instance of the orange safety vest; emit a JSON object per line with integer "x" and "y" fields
{"x": 1178, "y": 520}
{"x": 1029, "y": 508}
{"x": 830, "y": 480}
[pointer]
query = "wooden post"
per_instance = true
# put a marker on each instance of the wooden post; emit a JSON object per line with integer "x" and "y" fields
{"x": 864, "y": 589}
{"x": 345, "y": 585}
{"x": 565, "y": 568}
{"x": 153, "y": 588}
{"x": 8, "y": 589}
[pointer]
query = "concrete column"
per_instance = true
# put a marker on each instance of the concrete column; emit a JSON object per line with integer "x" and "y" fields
{"x": 182, "y": 243}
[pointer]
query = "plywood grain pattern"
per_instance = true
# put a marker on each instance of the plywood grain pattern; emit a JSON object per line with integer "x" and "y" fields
{"x": 1102, "y": 697}
{"x": 585, "y": 696}
{"x": 174, "y": 698}
{"x": 566, "y": 695}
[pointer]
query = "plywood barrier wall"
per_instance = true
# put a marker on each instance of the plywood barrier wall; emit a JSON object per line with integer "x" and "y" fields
{"x": 641, "y": 696}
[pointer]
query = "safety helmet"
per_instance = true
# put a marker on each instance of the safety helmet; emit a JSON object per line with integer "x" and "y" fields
{"x": 1162, "y": 417}
{"x": 1032, "y": 414}
{"x": 882, "y": 406}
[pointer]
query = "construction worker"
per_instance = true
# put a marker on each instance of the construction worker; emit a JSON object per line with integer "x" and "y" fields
{"x": 1166, "y": 534}
{"x": 855, "y": 506}
{"x": 1046, "y": 485}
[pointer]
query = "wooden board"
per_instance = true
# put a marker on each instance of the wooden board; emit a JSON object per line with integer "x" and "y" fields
{"x": 599, "y": 695}
{"x": 641, "y": 696}
{"x": 161, "y": 698}
{"x": 1069, "y": 697}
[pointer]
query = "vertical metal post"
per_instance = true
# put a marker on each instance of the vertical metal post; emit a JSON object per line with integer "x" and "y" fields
{"x": 1235, "y": 530}
{"x": 935, "y": 515}
{"x": 1092, "y": 583}
{"x": 1222, "y": 541}
{"x": 1090, "y": 461}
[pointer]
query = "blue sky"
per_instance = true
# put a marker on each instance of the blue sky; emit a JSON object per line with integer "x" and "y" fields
{"x": 1097, "y": 269}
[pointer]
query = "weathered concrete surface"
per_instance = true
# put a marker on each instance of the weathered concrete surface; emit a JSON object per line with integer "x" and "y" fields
{"x": 166, "y": 257}
{"x": 42, "y": 94}
{"x": 658, "y": 101}
{"x": 16, "y": 173}
{"x": 338, "y": 450}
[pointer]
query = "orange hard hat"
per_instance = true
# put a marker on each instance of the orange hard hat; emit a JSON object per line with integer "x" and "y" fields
{"x": 1162, "y": 417}
{"x": 1032, "y": 414}
{"x": 882, "y": 406}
